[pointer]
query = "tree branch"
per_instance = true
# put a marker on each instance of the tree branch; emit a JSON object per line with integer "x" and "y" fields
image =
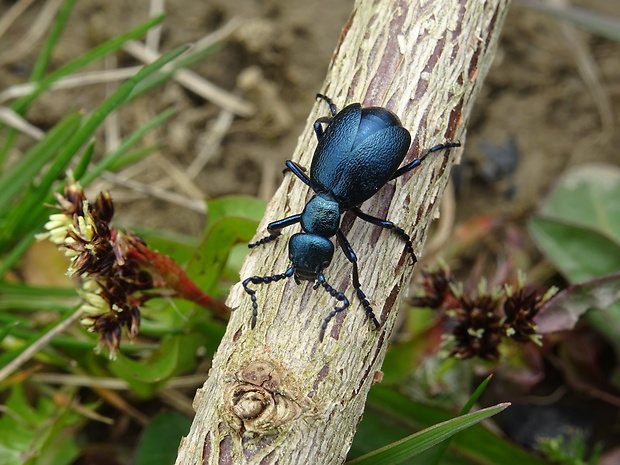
{"x": 276, "y": 394}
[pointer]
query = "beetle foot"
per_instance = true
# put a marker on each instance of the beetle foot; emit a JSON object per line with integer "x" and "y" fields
{"x": 367, "y": 308}
{"x": 335, "y": 294}
{"x": 261, "y": 280}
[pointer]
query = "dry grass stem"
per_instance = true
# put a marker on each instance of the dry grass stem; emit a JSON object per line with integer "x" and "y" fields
{"x": 156, "y": 192}
{"x": 37, "y": 30}
{"x": 196, "y": 83}
{"x": 12, "y": 119}
{"x": 210, "y": 143}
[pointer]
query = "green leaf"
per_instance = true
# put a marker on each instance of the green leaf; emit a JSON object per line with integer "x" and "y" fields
{"x": 33, "y": 431}
{"x": 231, "y": 221}
{"x": 578, "y": 226}
{"x": 587, "y": 196}
{"x": 157, "y": 368}
{"x": 235, "y": 205}
{"x": 416, "y": 443}
{"x": 476, "y": 442}
{"x": 160, "y": 441}
{"x": 580, "y": 254}
{"x": 443, "y": 447}
{"x": 175, "y": 355}
{"x": 211, "y": 257}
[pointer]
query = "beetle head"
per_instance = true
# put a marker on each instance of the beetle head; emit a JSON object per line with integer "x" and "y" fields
{"x": 310, "y": 255}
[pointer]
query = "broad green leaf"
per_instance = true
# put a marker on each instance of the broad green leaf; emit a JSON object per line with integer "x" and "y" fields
{"x": 211, "y": 257}
{"x": 587, "y": 195}
{"x": 578, "y": 226}
{"x": 160, "y": 440}
{"x": 176, "y": 355}
{"x": 234, "y": 205}
{"x": 580, "y": 254}
{"x": 230, "y": 221}
{"x": 157, "y": 368}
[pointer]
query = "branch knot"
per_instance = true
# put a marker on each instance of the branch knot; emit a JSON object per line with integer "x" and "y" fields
{"x": 255, "y": 402}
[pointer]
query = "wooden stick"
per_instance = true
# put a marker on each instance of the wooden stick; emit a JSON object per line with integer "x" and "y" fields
{"x": 275, "y": 394}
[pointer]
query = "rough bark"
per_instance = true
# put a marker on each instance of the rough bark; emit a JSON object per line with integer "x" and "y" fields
{"x": 276, "y": 394}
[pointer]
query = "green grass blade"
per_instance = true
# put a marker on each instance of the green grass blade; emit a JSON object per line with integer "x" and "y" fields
{"x": 477, "y": 442}
{"x": 441, "y": 450}
{"x": 404, "y": 449}
{"x": 113, "y": 156}
{"x": 41, "y": 64}
{"x": 132, "y": 157}
{"x": 163, "y": 76}
{"x": 82, "y": 166}
{"x": 28, "y": 216}
{"x": 58, "y": 27}
{"x": 23, "y": 290}
{"x": 98, "y": 52}
{"x": 20, "y": 174}
{"x": 21, "y": 105}
{"x": 16, "y": 251}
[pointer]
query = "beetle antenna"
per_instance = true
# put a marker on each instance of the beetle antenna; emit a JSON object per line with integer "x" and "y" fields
{"x": 262, "y": 280}
{"x": 337, "y": 295}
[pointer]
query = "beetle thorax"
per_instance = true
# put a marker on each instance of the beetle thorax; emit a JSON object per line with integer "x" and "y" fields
{"x": 321, "y": 216}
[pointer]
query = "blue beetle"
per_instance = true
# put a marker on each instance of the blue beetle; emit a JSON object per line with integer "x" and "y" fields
{"x": 358, "y": 152}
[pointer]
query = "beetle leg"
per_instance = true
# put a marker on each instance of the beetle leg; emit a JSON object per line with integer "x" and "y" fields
{"x": 274, "y": 229}
{"x": 388, "y": 225}
{"x": 298, "y": 171}
{"x": 334, "y": 293}
{"x": 318, "y": 125}
{"x": 332, "y": 107}
{"x": 418, "y": 161}
{"x": 348, "y": 252}
{"x": 262, "y": 280}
